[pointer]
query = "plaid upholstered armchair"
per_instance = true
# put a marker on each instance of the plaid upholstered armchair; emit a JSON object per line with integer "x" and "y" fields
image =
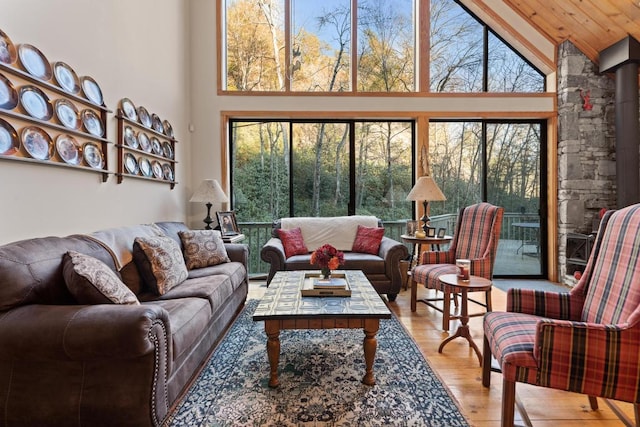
{"x": 476, "y": 238}
{"x": 586, "y": 340}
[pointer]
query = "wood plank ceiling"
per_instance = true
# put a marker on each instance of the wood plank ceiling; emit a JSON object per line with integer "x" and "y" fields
{"x": 591, "y": 25}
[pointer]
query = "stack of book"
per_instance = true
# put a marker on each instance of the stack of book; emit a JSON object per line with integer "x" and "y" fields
{"x": 233, "y": 238}
{"x": 332, "y": 287}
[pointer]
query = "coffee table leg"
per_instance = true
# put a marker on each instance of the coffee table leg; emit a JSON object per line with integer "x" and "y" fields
{"x": 370, "y": 344}
{"x": 272, "y": 328}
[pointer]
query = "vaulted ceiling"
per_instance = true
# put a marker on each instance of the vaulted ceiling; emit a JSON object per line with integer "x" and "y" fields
{"x": 591, "y": 25}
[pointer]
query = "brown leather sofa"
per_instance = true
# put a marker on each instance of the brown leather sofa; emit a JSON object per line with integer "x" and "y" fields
{"x": 382, "y": 269}
{"x": 66, "y": 364}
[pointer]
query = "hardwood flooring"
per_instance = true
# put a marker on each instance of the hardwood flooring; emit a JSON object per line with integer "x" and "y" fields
{"x": 458, "y": 368}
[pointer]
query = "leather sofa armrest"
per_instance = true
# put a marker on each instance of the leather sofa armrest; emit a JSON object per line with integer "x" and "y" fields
{"x": 273, "y": 253}
{"x": 393, "y": 252}
{"x": 238, "y": 252}
{"x": 84, "y": 332}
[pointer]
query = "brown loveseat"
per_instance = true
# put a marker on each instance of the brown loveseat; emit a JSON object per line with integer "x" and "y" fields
{"x": 382, "y": 269}
{"x": 67, "y": 364}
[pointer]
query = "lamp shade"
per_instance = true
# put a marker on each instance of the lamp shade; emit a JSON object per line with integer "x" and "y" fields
{"x": 426, "y": 189}
{"x": 209, "y": 191}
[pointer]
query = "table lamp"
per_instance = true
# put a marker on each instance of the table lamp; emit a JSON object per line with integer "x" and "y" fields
{"x": 209, "y": 192}
{"x": 427, "y": 190}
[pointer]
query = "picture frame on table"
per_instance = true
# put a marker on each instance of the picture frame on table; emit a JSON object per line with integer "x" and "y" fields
{"x": 228, "y": 223}
{"x": 431, "y": 232}
{"x": 441, "y": 233}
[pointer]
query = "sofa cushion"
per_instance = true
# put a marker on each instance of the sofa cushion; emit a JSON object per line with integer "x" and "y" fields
{"x": 368, "y": 240}
{"x": 338, "y": 231}
{"x": 119, "y": 242}
{"x": 203, "y": 248}
{"x": 91, "y": 281}
{"x": 236, "y": 271}
{"x": 160, "y": 262}
{"x": 188, "y": 318}
{"x": 293, "y": 242}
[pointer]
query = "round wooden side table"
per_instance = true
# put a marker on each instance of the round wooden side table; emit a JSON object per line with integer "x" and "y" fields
{"x": 451, "y": 283}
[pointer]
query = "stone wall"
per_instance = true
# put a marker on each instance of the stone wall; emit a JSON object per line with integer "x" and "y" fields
{"x": 586, "y": 149}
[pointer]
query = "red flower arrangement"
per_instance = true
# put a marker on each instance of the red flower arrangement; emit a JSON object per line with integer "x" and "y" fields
{"x": 327, "y": 258}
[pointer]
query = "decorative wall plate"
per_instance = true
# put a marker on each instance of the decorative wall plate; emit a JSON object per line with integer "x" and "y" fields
{"x": 8, "y": 53}
{"x": 35, "y": 102}
{"x": 157, "y": 123}
{"x": 8, "y": 94}
{"x": 67, "y": 78}
{"x": 145, "y": 144}
{"x": 67, "y": 114}
{"x": 167, "y": 172}
{"x": 155, "y": 145}
{"x": 37, "y": 143}
{"x": 167, "y": 151}
{"x": 92, "y": 123}
{"x": 129, "y": 109}
{"x": 144, "y": 117}
{"x": 131, "y": 164}
{"x": 34, "y": 61}
{"x": 130, "y": 137}
{"x": 145, "y": 166}
{"x": 91, "y": 90}
{"x": 168, "y": 129}
{"x": 157, "y": 169}
{"x": 68, "y": 149}
{"x": 92, "y": 155}
{"x": 9, "y": 142}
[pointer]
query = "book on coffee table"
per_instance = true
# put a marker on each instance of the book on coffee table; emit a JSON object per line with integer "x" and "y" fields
{"x": 331, "y": 283}
{"x": 315, "y": 286}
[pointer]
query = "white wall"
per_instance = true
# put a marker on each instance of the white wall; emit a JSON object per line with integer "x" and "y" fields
{"x": 136, "y": 49}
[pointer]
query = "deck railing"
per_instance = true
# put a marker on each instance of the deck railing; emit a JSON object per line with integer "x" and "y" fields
{"x": 258, "y": 233}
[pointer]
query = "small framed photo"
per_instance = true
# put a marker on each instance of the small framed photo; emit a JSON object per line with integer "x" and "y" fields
{"x": 431, "y": 232}
{"x": 441, "y": 232}
{"x": 228, "y": 224}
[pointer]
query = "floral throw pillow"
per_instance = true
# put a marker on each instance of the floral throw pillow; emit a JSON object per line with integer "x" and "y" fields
{"x": 293, "y": 242}
{"x": 160, "y": 262}
{"x": 203, "y": 248}
{"x": 91, "y": 281}
{"x": 368, "y": 240}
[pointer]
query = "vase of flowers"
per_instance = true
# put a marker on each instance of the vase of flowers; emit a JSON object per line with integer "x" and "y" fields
{"x": 327, "y": 258}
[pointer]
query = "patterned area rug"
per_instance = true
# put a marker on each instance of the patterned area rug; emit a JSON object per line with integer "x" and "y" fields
{"x": 319, "y": 374}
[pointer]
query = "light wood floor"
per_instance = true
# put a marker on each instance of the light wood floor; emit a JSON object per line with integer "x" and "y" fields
{"x": 458, "y": 368}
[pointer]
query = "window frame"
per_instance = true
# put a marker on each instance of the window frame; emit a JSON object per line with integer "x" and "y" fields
{"x": 421, "y": 56}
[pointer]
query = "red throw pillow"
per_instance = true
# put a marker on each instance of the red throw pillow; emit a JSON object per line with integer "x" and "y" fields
{"x": 293, "y": 242}
{"x": 368, "y": 240}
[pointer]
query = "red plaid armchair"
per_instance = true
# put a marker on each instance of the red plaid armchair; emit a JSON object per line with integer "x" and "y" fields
{"x": 476, "y": 238}
{"x": 586, "y": 340}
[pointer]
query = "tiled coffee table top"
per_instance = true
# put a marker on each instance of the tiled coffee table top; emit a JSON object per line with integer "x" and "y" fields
{"x": 283, "y": 300}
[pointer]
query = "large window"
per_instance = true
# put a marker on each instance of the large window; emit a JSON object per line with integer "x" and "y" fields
{"x": 314, "y": 46}
{"x": 321, "y": 168}
{"x": 500, "y": 162}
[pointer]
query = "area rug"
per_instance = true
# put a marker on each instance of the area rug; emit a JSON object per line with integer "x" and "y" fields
{"x": 319, "y": 374}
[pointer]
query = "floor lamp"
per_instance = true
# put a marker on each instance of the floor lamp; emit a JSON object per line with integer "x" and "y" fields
{"x": 209, "y": 192}
{"x": 426, "y": 190}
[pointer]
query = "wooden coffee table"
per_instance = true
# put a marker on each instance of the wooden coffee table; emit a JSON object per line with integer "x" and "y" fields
{"x": 283, "y": 307}
{"x": 451, "y": 284}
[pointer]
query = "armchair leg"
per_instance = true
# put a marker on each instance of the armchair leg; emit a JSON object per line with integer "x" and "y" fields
{"x": 486, "y": 364}
{"x": 508, "y": 403}
{"x": 593, "y": 402}
{"x": 414, "y": 294}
